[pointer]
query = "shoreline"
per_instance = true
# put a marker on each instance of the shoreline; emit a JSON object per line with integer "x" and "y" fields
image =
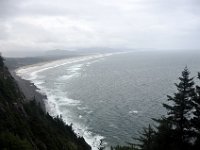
{"x": 29, "y": 90}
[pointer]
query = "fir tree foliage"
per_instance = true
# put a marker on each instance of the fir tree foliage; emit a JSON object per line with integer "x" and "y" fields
{"x": 180, "y": 110}
{"x": 1, "y": 61}
{"x": 196, "y": 119}
{"x": 180, "y": 128}
{"x": 146, "y": 138}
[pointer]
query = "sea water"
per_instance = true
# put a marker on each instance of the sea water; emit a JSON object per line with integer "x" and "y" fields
{"x": 109, "y": 98}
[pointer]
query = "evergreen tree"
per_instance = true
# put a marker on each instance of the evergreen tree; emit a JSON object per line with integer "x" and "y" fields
{"x": 180, "y": 111}
{"x": 165, "y": 137}
{"x": 146, "y": 138}
{"x": 1, "y": 61}
{"x": 174, "y": 131}
{"x": 196, "y": 118}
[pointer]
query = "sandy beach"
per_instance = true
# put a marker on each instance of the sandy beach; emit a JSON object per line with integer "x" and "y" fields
{"x": 29, "y": 90}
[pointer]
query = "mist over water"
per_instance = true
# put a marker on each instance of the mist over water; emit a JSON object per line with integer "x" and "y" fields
{"x": 111, "y": 97}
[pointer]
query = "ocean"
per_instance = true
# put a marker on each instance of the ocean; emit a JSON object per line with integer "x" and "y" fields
{"x": 109, "y": 98}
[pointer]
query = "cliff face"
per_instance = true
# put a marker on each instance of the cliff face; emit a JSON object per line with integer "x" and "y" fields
{"x": 24, "y": 125}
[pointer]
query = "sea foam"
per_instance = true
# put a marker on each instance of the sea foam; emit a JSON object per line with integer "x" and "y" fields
{"x": 57, "y": 100}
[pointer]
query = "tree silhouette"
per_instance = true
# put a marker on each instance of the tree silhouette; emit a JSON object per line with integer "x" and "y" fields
{"x": 180, "y": 111}
{"x": 196, "y": 113}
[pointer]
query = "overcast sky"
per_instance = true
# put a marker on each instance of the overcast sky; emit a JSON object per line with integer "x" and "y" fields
{"x": 35, "y": 25}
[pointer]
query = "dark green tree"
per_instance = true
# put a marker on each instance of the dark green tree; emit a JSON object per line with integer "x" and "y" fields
{"x": 165, "y": 137}
{"x": 146, "y": 138}
{"x": 179, "y": 110}
{"x": 196, "y": 113}
{"x": 175, "y": 130}
{"x": 13, "y": 142}
{"x": 1, "y": 61}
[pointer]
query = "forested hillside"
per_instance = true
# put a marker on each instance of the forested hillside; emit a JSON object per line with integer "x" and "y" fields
{"x": 25, "y": 126}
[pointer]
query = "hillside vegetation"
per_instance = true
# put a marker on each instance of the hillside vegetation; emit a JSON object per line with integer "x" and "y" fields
{"x": 25, "y": 126}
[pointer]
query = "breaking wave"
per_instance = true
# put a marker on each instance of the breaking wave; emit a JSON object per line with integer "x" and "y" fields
{"x": 57, "y": 102}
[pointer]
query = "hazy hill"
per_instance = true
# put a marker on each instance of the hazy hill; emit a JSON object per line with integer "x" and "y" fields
{"x": 15, "y": 62}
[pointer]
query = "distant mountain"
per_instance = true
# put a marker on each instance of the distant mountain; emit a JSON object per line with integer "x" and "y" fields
{"x": 51, "y": 55}
{"x": 103, "y": 50}
{"x": 59, "y": 52}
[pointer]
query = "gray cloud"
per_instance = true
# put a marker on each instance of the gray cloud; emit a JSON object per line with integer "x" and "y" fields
{"x": 34, "y": 25}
